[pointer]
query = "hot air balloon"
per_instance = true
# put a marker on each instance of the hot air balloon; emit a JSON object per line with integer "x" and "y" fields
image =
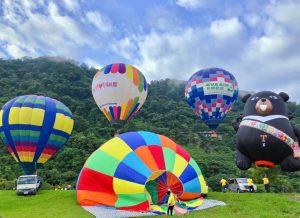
{"x": 265, "y": 134}
{"x": 134, "y": 172}
{"x": 211, "y": 93}
{"x": 34, "y": 128}
{"x": 120, "y": 91}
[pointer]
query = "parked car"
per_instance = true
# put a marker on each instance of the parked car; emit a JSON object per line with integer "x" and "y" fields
{"x": 239, "y": 185}
{"x": 28, "y": 184}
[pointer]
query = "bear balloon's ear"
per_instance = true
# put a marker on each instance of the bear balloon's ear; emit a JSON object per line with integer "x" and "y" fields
{"x": 284, "y": 96}
{"x": 245, "y": 98}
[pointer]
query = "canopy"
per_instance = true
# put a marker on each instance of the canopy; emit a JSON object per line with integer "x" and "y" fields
{"x": 135, "y": 169}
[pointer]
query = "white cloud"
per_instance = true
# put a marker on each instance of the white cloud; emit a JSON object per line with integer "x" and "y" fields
{"x": 264, "y": 60}
{"x": 191, "y": 4}
{"x": 252, "y": 19}
{"x": 45, "y": 33}
{"x": 92, "y": 63}
{"x": 99, "y": 21}
{"x": 174, "y": 55}
{"x": 257, "y": 42}
{"x": 126, "y": 47}
{"x": 71, "y": 5}
{"x": 15, "y": 51}
{"x": 226, "y": 29}
{"x": 286, "y": 14}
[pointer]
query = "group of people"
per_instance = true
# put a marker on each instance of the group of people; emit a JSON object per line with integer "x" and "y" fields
{"x": 58, "y": 187}
{"x": 250, "y": 183}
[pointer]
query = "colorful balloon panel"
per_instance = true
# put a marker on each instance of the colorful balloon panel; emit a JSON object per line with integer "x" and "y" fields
{"x": 211, "y": 93}
{"x": 34, "y": 128}
{"x": 135, "y": 169}
{"x": 158, "y": 185}
{"x": 119, "y": 90}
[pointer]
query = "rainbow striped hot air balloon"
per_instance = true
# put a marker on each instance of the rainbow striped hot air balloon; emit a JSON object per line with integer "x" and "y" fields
{"x": 211, "y": 94}
{"x": 134, "y": 172}
{"x": 119, "y": 90}
{"x": 34, "y": 128}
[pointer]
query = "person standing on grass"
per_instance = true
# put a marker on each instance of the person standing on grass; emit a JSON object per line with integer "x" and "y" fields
{"x": 171, "y": 202}
{"x": 250, "y": 185}
{"x": 223, "y": 183}
{"x": 266, "y": 183}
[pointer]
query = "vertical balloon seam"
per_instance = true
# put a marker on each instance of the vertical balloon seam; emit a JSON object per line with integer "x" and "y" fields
{"x": 167, "y": 152}
{"x": 44, "y": 157}
{"x": 48, "y": 123}
{"x": 128, "y": 107}
{"x": 141, "y": 81}
{"x": 29, "y": 153}
{"x": 18, "y": 141}
{"x": 6, "y": 128}
{"x": 18, "y": 145}
{"x": 72, "y": 125}
{"x": 129, "y": 72}
{"x": 123, "y": 108}
{"x": 136, "y": 77}
{"x": 36, "y": 102}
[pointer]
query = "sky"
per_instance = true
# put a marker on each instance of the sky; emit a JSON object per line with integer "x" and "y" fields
{"x": 258, "y": 41}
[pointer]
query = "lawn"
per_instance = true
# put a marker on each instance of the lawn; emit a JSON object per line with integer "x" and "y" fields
{"x": 252, "y": 205}
{"x": 45, "y": 204}
{"x": 63, "y": 204}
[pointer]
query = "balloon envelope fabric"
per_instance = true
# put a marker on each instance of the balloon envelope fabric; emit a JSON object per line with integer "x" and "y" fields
{"x": 211, "y": 93}
{"x": 136, "y": 169}
{"x": 34, "y": 128}
{"x": 119, "y": 90}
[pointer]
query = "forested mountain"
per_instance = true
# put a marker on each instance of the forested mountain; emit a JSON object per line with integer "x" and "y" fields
{"x": 164, "y": 112}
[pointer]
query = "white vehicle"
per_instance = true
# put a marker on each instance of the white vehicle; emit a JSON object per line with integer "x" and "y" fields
{"x": 28, "y": 184}
{"x": 239, "y": 185}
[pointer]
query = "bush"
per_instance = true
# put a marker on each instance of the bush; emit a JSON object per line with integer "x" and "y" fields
{"x": 47, "y": 186}
{"x": 260, "y": 187}
{"x": 7, "y": 185}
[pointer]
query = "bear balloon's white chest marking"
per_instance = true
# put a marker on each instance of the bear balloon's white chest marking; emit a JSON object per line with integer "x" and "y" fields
{"x": 265, "y": 118}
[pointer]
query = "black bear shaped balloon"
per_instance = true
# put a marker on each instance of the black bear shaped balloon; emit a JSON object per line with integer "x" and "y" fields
{"x": 265, "y": 135}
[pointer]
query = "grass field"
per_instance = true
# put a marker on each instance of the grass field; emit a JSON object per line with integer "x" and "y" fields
{"x": 63, "y": 204}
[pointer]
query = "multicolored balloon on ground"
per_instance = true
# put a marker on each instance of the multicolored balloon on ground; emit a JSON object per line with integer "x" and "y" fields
{"x": 134, "y": 172}
{"x": 211, "y": 94}
{"x": 34, "y": 128}
{"x": 119, "y": 90}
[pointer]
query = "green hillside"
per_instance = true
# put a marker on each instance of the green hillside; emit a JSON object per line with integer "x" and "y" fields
{"x": 63, "y": 204}
{"x": 165, "y": 112}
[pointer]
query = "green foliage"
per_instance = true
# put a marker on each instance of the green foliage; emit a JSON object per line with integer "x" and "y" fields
{"x": 164, "y": 112}
{"x": 7, "y": 185}
{"x": 47, "y": 186}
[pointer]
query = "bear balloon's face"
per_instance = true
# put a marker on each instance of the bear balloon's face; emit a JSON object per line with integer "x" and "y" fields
{"x": 264, "y": 106}
{"x": 265, "y": 103}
